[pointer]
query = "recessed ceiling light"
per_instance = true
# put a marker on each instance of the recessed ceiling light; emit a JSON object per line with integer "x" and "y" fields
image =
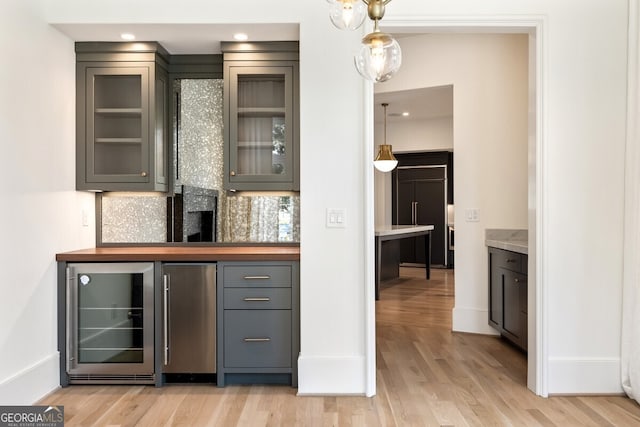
{"x": 405, "y": 114}
{"x": 127, "y": 36}
{"x": 240, "y": 37}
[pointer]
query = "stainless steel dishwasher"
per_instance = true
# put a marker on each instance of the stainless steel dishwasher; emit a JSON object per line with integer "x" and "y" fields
{"x": 189, "y": 318}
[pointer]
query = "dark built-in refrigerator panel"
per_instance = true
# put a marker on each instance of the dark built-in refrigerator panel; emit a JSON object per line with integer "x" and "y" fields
{"x": 420, "y": 198}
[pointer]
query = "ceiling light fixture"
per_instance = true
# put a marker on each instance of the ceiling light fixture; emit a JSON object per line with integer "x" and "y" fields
{"x": 347, "y": 14}
{"x": 380, "y": 55}
{"x": 127, "y": 36}
{"x": 240, "y": 37}
{"x": 385, "y": 161}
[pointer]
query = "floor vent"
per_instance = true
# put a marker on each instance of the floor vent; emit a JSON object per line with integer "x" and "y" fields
{"x": 111, "y": 379}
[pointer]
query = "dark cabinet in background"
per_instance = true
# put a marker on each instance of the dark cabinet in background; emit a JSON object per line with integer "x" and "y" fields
{"x": 508, "y": 295}
{"x": 420, "y": 198}
{"x": 121, "y": 117}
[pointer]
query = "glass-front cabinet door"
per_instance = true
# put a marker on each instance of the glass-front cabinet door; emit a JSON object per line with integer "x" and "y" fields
{"x": 261, "y": 130}
{"x": 117, "y": 124}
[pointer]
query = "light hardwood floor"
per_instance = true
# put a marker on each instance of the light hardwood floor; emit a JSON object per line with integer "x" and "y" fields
{"x": 427, "y": 375}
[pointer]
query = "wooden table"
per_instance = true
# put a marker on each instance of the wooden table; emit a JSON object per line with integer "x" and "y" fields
{"x": 394, "y": 232}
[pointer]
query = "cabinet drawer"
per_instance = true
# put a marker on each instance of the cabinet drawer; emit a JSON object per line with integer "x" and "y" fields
{"x": 257, "y": 298}
{"x": 248, "y": 276}
{"x": 257, "y": 338}
{"x": 508, "y": 260}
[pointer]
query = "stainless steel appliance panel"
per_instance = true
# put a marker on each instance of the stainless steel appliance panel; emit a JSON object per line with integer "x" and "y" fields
{"x": 189, "y": 312}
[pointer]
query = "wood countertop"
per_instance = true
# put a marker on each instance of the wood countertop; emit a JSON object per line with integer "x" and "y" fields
{"x": 183, "y": 253}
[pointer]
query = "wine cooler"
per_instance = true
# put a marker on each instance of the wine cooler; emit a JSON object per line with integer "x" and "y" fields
{"x": 110, "y": 326}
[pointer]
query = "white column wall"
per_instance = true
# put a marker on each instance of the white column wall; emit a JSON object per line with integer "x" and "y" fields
{"x": 40, "y": 212}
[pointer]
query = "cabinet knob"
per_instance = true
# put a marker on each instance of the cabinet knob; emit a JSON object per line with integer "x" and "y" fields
{"x": 143, "y": 174}
{"x": 232, "y": 173}
{"x": 517, "y": 280}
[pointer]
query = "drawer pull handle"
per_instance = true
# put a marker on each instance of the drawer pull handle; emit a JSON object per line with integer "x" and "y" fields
{"x": 511, "y": 260}
{"x": 257, "y": 299}
{"x": 257, "y": 339}
{"x": 266, "y": 277}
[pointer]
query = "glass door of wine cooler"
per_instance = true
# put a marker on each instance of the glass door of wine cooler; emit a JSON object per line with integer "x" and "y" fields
{"x": 110, "y": 319}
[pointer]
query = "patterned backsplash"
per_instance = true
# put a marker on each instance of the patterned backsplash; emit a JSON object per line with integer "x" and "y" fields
{"x": 198, "y": 162}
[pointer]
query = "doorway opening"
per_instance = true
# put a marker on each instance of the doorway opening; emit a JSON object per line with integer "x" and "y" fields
{"x": 470, "y": 312}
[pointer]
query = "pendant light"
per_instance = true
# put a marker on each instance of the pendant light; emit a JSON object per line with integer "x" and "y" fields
{"x": 380, "y": 55}
{"x": 385, "y": 161}
{"x": 347, "y": 14}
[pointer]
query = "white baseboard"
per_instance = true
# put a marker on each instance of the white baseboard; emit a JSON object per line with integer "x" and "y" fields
{"x": 472, "y": 320}
{"x": 32, "y": 383}
{"x": 321, "y": 375}
{"x": 584, "y": 376}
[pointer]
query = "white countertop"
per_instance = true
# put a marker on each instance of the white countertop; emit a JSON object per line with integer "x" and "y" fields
{"x": 393, "y": 230}
{"x": 519, "y": 246}
{"x": 509, "y": 240}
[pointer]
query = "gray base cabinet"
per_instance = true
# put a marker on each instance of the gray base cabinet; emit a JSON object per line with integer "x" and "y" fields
{"x": 258, "y": 322}
{"x": 508, "y": 295}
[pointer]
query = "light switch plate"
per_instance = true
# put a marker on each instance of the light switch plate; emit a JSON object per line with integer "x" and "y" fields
{"x": 85, "y": 218}
{"x": 472, "y": 215}
{"x": 336, "y": 218}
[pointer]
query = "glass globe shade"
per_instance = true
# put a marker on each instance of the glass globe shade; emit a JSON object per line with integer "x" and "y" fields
{"x": 385, "y": 161}
{"x": 385, "y": 165}
{"x": 347, "y": 14}
{"x": 379, "y": 58}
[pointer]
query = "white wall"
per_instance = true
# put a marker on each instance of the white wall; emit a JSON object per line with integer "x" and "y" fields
{"x": 584, "y": 66}
{"x": 490, "y": 136}
{"x": 408, "y": 135}
{"x": 40, "y": 212}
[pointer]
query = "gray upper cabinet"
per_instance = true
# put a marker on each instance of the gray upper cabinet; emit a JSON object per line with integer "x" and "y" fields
{"x": 261, "y": 116}
{"x": 122, "y": 117}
